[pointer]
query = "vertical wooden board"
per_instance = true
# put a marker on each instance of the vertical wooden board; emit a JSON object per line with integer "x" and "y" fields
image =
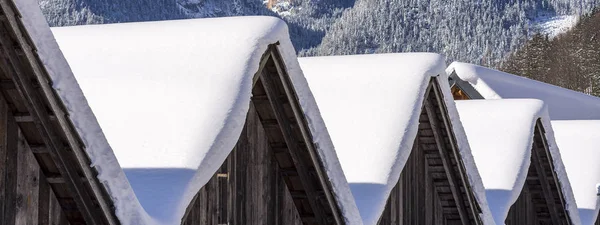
{"x": 43, "y": 200}
{"x": 52, "y": 214}
{"x": 56, "y": 215}
{"x": 3, "y": 162}
{"x": 22, "y": 194}
{"x": 390, "y": 213}
{"x": 400, "y": 201}
{"x": 241, "y": 176}
{"x": 422, "y": 176}
{"x": 198, "y": 211}
{"x": 203, "y": 204}
{"x": 429, "y": 201}
{"x": 231, "y": 197}
{"x": 252, "y": 177}
{"x": 289, "y": 212}
{"x": 27, "y": 185}
{"x": 267, "y": 159}
{"x": 273, "y": 197}
{"x": 212, "y": 198}
{"x": 10, "y": 175}
{"x": 439, "y": 218}
{"x": 32, "y": 183}
{"x": 222, "y": 206}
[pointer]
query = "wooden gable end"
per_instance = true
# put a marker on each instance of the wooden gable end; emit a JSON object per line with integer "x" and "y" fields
{"x": 541, "y": 201}
{"x": 274, "y": 174}
{"x": 458, "y": 94}
{"x": 45, "y": 175}
{"x": 462, "y": 90}
{"x": 433, "y": 187}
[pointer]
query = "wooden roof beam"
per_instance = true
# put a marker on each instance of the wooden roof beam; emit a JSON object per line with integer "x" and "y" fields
{"x": 58, "y": 179}
{"x": 27, "y": 118}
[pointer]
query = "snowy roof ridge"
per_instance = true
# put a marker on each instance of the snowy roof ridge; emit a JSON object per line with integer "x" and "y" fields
{"x": 579, "y": 144}
{"x": 191, "y": 66}
{"x": 493, "y": 84}
{"x": 390, "y": 89}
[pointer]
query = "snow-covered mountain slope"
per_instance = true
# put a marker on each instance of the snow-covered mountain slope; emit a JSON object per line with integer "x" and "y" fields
{"x": 482, "y": 32}
{"x": 553, "y": 25}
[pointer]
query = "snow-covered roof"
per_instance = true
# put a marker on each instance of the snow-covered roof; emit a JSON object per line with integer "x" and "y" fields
{"x": 579, "y": 143}
{"x": 371, "y": 106}
{"x": 500, "y": 134}
{"x": 172, "y": 98}
{"x": 493, "y": 84}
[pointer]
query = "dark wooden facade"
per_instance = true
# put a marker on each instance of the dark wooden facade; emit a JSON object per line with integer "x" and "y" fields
{"x": 273, "y": 175}
{"x": 433, "y": 187}
{"x": 45, "y": 174}
{"x": 541, "y": 200}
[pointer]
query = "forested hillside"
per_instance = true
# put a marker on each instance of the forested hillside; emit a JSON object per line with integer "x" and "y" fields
{"x": 481, "y": 31}
{"x": 570, "y": 60}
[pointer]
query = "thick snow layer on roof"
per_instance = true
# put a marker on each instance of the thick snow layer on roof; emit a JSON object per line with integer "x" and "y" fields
{"x": 493, "y": 84}
{"x": 579, "y": 143}
{"x": 172, "y": 97}
{"x": 127, "y": 206}
{"x": 371, "y": 106}
{"x": 500, "y": 134}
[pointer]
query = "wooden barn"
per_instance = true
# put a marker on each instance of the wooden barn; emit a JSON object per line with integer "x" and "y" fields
{"x": 241, "y": 142}
{"x": 395, "y": 132}
{"x": 45, "y": 174}
{"x": 582, "y": 140}
{"x": 470, "y": 81}
{"x": 571, "y": 108}
{"x": 515, "y": 154}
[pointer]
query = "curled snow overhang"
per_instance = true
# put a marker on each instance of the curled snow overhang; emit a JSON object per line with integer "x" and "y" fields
{"x": 493, "y": 84}
{"x": 371, "y": 105}
{"x": 501, "y": 135}
{"x": 579, "y": 144}
{"x": 174, "y": 95}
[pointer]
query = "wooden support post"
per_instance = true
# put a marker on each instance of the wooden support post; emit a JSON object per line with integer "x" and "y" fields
{"x": 42, "y": 120}
{"x": 294, "y": 150}
{"x": 435, "y": 127}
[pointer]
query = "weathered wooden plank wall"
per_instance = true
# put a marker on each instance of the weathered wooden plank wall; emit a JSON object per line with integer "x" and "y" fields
{"x": 523, "y": 211}
{"x": 541, "y": 200}
{"x": 25, "y": 196}
{"x": 431, "y": 189}
{"x": 414, "y": 199}
{"x": 248, "y": 189}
